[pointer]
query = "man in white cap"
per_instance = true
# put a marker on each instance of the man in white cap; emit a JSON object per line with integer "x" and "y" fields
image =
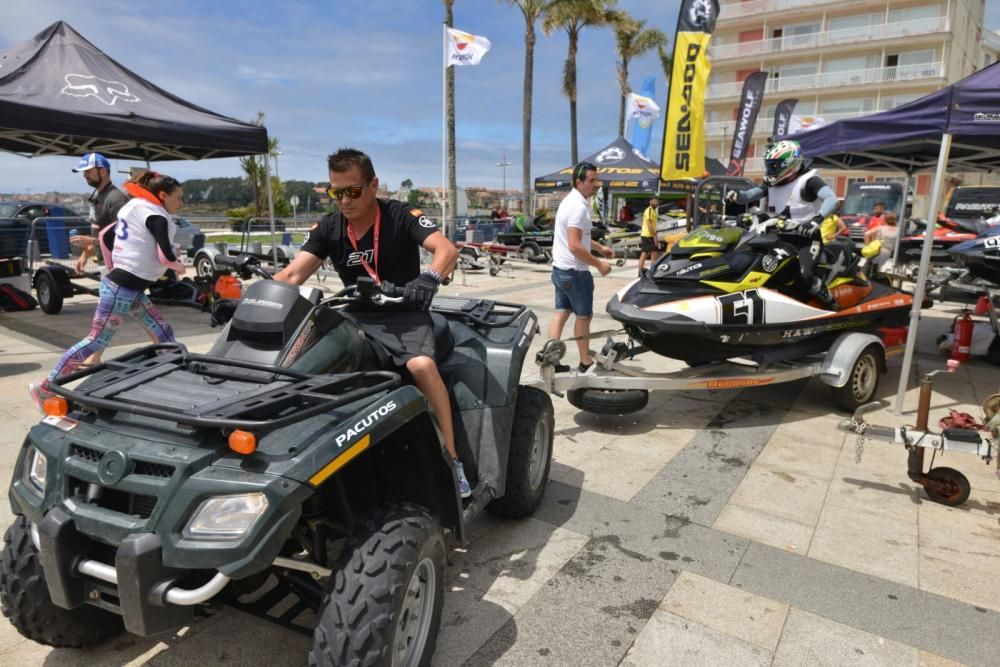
{"x": 105, "y": 200}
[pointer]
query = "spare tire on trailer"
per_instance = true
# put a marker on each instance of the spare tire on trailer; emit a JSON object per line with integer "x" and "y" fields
{"x": 608, "y": 401}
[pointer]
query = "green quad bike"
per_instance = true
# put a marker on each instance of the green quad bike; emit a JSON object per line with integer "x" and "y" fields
{"x": 176, "y": 479}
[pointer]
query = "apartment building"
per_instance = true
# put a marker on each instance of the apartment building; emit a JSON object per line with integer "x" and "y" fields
{"x": 840, "y": 59}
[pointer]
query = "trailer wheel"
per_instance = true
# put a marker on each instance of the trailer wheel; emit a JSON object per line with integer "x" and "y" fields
{"x": 608, "y": 401}
{"x": 50, "y": 297}
{"x": 204, "y": 266}
{"x": 947, "y": 486}
{"x": 531, "y": 251}
{"x": 861, "y": 382}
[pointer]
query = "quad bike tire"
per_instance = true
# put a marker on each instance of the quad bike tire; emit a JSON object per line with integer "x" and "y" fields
{"x": 530, "y": 456}
{"x": 50, "y": 298}
{"x": 862, "y": 382}
{"x": 25, "y": 599}
{"x": 608, "y": 401}
{"x": 388, "y": 580}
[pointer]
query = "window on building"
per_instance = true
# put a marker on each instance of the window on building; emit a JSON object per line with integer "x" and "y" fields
{"x": 855, "y": 21}
{"x": 922, "y": 57}
{"x": 797, "y": 69}
{"x": 855, "y": 179}
{"x": 893, "y": 101}
{"x": 846, "y": 108}
{"x": 800, "y": 35}
{"x": 915, "y": 13}
{"x": 850, "y": 64}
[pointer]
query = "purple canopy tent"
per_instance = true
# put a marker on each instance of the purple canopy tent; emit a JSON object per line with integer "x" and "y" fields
{"x": 958, "y": 125}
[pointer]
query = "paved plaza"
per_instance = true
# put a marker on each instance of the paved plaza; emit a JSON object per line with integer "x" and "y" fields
{"x": 726, "y": 527}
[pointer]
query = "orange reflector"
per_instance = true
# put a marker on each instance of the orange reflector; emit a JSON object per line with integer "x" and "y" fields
{"x": 55, "y": 406}
{"x": 242, "y": 442}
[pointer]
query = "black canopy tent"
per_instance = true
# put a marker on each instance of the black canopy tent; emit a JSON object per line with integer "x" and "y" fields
{"x": 957, "y": 126}
{"x": 61, "y": 95}
{"x": 623, "y": 170}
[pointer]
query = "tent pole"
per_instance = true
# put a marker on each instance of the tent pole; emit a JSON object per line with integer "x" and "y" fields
{"x": 920, "y": 286}
{"x": 270, "y": 210}
{"x": 903, "y": 221}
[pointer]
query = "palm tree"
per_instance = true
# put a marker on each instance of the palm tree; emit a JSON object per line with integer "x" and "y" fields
{"x": 449, "y": 77}
{"x": 633, "y": 39}
{"x": 667, "y": 62}
{"x": 532, "y": 10}
{"x": 573, "y": 16}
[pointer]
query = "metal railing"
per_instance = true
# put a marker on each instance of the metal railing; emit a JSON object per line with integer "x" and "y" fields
{"x": 860, "y": 77}
{"x": 735, "y": 9}
{"x": 872, "y": 33}
{"x": 766, "y": 124}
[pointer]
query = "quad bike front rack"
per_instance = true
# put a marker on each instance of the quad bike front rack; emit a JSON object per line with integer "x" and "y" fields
{"x": 943, "y": 485}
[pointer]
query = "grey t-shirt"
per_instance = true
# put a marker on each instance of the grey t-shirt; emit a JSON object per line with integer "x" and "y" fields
{"x": 106, "y": 204}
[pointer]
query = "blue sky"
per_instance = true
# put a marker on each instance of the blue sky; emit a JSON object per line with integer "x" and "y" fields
{"x": 350, "y": 72}
{"x": 347, "y": 72}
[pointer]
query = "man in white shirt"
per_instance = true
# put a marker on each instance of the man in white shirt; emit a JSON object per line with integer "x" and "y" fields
{"x": 571, "y": 262}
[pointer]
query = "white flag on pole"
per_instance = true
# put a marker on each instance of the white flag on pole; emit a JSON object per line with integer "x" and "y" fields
{"x": 803, "y": 123}
{"x": 642, "y": 109}
{"x": 466, "y": 49}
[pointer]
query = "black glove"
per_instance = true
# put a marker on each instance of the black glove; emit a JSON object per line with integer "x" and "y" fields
{"x": 420, "y": 291}
{"x": 811, "y": 228}
{"x": 223, "y": 310}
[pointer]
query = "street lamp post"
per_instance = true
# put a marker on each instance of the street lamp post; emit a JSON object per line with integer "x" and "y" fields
{"x": 503, "y": 164}
{"x": 276, "y": 174}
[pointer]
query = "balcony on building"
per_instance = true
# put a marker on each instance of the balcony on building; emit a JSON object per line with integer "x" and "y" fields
{"x": 871, "y": 76}
{"x": 736, "y": 10}
{"x": 833, "y": 38}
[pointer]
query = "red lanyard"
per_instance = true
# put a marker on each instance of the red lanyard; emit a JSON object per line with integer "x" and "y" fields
{"x": 361, "y": 255}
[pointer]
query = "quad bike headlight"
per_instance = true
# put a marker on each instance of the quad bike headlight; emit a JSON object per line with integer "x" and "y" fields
{"x": 226, "y": 517}
{"x": 36, "y": 470}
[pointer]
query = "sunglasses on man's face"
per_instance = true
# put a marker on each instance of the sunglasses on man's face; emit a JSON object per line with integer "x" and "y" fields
{"x": 352, "y": 191}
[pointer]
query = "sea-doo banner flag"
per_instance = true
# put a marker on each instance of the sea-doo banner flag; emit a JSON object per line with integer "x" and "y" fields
{"x": 683, "y": 154}
{"x": 753, "y": 93}
{"x": 803, "y": 123}
{"x": 641, "y": 109}
{"x": 466, "y": 49}
{"x": 783, "y": 117}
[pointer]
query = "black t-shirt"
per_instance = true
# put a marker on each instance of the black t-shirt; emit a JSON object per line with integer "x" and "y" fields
{"x": 403, "y": 231}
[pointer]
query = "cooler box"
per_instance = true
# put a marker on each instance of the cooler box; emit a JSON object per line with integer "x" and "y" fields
{"x": 55, "y": 232}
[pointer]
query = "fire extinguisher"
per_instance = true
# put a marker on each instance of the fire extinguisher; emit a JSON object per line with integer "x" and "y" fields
{"x": 963, "y": 337}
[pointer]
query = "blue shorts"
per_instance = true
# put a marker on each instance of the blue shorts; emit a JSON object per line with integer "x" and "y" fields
{"x": 574, "y": 291}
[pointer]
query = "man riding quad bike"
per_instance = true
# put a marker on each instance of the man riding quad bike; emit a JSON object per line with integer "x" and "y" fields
{"x": 163, "y": 480}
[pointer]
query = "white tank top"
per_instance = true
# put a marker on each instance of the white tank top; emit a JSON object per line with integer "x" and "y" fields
{"x": 790, "y": 195}
{"x": 135, "y": 247}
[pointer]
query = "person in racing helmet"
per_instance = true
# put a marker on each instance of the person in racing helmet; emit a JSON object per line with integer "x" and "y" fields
{"x": 799, "y": 194}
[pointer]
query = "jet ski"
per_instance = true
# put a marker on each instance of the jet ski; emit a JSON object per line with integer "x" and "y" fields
{"x": 948, "y": 233}
{"x": 980, "y": 257}
{"x": 725, "y": 292}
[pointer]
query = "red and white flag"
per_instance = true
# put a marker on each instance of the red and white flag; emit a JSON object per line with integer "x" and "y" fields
{"x": 465, "y": 48}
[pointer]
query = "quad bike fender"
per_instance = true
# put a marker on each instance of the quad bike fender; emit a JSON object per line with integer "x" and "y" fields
{"x": 835, "y": 369}
{"x": 397, "y": 430}
{"x": 59, "y": 274}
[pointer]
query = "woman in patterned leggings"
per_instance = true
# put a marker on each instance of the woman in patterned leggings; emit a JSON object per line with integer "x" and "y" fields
{"x": 138, "y": 248}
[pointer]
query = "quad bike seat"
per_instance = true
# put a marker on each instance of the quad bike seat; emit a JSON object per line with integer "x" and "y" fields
{"x": 444, "y": 343}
